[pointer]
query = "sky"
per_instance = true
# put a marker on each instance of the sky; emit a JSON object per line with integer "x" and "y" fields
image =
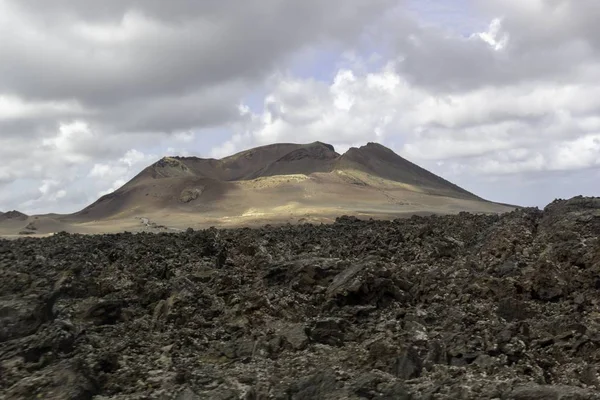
{"x": 501, "y": 97}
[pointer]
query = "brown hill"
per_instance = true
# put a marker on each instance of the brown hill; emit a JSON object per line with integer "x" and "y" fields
{"x": 380, "y": 161}
{"x": 241, "y": 166}
{"x": 13, "y": 215}
{"x": 289, "y": 159}
{"x": 286, "y": 175}
{"x": 307, "y": 159}
{"x": 276, "y": 183}
{"x": 195, "y": 184}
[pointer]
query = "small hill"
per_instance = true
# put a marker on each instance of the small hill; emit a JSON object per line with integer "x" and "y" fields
{"x": 13, "y": 215}
{"x": 282, "y": 182}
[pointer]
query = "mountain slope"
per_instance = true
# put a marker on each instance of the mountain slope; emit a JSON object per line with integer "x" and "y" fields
{"x": 239, "y": 166}
{"x": 282, "y": 182}
{"x": 308, "y": 159}
{"x": 288, "y": 159}
{"x": 380, "y": 161}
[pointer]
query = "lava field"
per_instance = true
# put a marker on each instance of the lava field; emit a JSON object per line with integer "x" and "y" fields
{"x": 442, "y": 307}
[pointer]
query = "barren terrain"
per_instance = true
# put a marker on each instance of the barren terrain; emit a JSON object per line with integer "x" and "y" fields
{"x": 440, "y": 307}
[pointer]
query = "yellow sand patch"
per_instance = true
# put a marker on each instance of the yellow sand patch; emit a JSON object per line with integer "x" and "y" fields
{"x": 356, "y": 176}
{"x": 279, "y": 210}
{"x": 253, "y": 212}
{"x": 272, "y": 181}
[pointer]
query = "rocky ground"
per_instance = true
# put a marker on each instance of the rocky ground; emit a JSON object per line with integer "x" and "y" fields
{"x": 454, "y": 307}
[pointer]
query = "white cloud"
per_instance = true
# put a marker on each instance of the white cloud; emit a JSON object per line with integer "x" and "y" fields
{"x": 494, "y": 36}
{"x": 100, "y": 171}
{"x": 185, "y": 137}
{"x": 114, "y": 174}
{"x": 583, "y": 152}
{"x": 72, "y": 141}
{"x": 133, "y": 157}
{"x": 47, "y": 186}
{"x": 12, "y": 108}
{"x": 64, "y": 172}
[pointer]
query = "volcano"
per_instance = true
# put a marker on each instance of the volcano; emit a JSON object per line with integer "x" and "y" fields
{"x": 277, "y": 183}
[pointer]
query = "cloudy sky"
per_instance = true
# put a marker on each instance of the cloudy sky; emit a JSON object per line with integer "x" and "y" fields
{"x": 499, "y": 96}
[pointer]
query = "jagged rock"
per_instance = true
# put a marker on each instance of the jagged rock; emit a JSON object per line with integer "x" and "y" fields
{"x": 62, "y": 381}
{"x": 436, "y": 353}
{"x": 17, "y": 317}
{"x": 512, "y": 309}
{"x": 222, "y": 394}
{"x": 23, "y": 316}
{"x": 303, "y": 275}
{"x": 187, "y": 394}
{"x": 372, "y": 385}
{"x": 408, "y": 365}
{"x": 317, "y": 386}
{"x": 366, "y": 283}
{"x": 346, "y": 282}
{"x": 328, "y": 331}
{"x": 366, "y": 385}
{"x": 296, "y": 336}
{"x": 440, "y": 307}
{"x": 394, "y": 391}
{"x": 540, "y": 392}
{"x": 105, "y": 313}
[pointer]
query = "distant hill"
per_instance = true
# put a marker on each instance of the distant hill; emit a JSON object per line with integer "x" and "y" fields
{"x": 278, "y": 183}
{"x": 286, "y": 179}
{"x": 13, "y": 215}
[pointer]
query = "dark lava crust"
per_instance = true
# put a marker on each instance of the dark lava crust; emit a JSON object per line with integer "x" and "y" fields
{"x": 456, "y": 307}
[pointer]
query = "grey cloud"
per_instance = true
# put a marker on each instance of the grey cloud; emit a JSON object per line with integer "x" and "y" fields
{"x": 446, "y": 63}
{"x": 546, "y": 24}
{"x": 155, "y": 66}
{"x": 547, "y": 41}
{"x": 211, "y": 42}
{"x": 531, "y": 189}
{"x": 206, "y": 108}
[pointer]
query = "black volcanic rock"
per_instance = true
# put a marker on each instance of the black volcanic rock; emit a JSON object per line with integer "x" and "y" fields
{"x": 353, "y": 310}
